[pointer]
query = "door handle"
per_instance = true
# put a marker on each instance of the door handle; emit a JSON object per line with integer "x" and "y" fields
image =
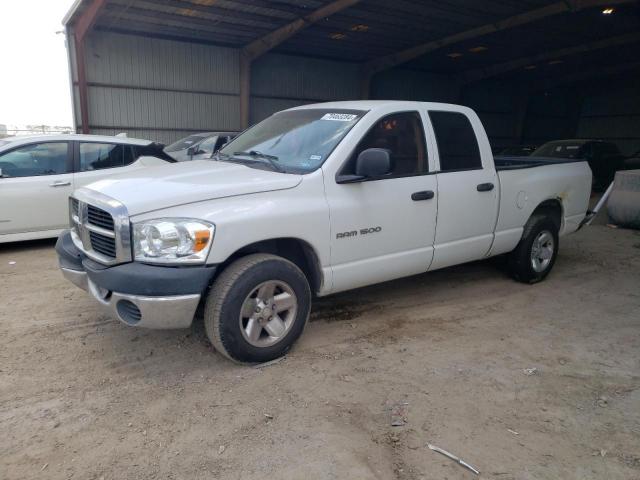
{"x": 60, "y": 184}
{"x": 485, "y": 187}
{"x": 426, "y": 195}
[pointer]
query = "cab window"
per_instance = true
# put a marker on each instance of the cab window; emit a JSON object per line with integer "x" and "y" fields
{"x": 36, "y": 159}
{"x": 457, "y": 143}
{"x": 402, "y": 134}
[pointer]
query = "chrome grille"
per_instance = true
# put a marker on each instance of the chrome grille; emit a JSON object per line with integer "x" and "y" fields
{"x": 98, "y": 217}
{"x": 103, "y": 244}
{"x": 100, "y": 227}
{"x": 74, "y": 208}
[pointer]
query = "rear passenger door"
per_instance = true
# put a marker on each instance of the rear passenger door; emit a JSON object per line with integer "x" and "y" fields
{"x": 467, "y": 189}
{"x": 96, "y": 161}
{"x": 36, "y": 182}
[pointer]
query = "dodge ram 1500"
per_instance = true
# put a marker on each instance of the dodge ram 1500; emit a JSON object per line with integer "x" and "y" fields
{"x": 314, "y": 200}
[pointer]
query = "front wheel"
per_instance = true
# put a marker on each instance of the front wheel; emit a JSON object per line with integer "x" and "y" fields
{"x": 533, "y": 258}
{"x": 257, "y": 308}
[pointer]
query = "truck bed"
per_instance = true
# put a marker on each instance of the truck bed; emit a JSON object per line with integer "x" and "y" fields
{"x": 517, "y": 163}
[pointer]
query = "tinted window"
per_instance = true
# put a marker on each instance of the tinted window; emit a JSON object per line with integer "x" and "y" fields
{"x": 96, "y": 156}
{"x": 130, "y": 155}
{"x": 457, "y": 143}
{"x": 402, "y": 135}
{"x": 35, "y": 159}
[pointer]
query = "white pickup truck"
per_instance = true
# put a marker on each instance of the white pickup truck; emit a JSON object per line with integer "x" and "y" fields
{"x": 314, "y": 200}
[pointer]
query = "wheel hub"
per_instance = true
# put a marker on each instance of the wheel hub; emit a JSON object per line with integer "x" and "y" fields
{"x": 542, "y": 251}
{"x": 268, "y": 313}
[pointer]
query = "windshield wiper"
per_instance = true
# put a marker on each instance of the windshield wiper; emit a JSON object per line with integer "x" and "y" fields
{"x": 255, "y": 153}
{"x": 272, "y": 159}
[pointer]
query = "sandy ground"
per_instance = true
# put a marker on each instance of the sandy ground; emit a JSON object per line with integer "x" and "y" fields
{"x": 82, "y": 396}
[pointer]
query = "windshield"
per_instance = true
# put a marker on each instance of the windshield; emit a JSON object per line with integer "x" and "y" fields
{"x": 293, "y": 141}
{"x": 185, "y": 143}
{"x": 560, "y": 150}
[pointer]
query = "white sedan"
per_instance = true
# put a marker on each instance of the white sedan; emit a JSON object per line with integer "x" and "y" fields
{"x": 38, "y": 173}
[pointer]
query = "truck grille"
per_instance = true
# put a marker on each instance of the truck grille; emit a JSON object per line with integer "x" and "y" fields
{"x": 101, "y": 232}
{"x": 103, "y": 244}
{"x": 99, "y": 218}
{"x": 74, "y": 208}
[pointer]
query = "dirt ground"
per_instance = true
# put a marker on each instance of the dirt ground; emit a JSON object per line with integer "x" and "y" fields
{"x": 83, "y": 396}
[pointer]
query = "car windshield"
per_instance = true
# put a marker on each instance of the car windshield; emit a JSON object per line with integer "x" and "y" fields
{"x": 294, "y": 141}
{"x": 185, "y": 143}
{"x": 559, "y": 150}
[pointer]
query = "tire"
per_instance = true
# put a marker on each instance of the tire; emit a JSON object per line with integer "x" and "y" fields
{"x": 246, "y": 298}
{"x": 526, "y": 267}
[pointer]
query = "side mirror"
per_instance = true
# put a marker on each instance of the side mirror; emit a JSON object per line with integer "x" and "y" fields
{"x": 373, "y": 162}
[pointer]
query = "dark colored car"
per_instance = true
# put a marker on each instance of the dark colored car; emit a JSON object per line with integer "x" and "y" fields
{"x": 517, "y": 151}
{"x": 603, "y": 157}
{"x": 632, "y": 162}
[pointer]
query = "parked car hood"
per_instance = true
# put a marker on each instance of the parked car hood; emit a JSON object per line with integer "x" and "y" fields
{"x": 155, "y": 188}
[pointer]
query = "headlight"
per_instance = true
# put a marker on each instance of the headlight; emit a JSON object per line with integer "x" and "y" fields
{"x": 172, "y": 240}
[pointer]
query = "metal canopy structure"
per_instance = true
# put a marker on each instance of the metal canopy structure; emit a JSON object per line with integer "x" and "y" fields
{"x": 534, "y": 41}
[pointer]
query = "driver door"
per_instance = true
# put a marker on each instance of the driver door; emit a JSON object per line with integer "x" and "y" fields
{"x": 384, "y": 228}
{"x": 36, "y": 182}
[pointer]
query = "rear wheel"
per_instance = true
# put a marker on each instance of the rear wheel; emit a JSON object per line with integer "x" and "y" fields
{"x": 534, "y": 256}
{"x": 257, "y": 308}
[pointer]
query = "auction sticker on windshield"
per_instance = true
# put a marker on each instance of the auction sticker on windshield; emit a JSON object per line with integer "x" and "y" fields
{"x": 339, "y": 117}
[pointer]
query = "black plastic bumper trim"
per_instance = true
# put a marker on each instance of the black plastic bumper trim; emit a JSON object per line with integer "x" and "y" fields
{"x": 136, "y": 278}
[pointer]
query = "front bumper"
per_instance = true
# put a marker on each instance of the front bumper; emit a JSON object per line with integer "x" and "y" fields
{"x": 139, "y": 295}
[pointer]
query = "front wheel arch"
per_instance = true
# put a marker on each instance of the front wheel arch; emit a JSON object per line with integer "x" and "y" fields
{"x": 297, "y": 251}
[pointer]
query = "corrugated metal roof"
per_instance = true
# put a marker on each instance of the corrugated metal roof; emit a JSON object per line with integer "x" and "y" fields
{"x": 370, "y": 28}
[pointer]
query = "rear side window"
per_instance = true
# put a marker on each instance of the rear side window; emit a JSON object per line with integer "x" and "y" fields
{"x": 402, "y": 135}
{"x": 98, "y": 156}
{"x": 457, "y": 142}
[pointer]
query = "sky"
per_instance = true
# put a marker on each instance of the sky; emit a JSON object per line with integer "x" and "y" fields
{"x": 34, "y": 76}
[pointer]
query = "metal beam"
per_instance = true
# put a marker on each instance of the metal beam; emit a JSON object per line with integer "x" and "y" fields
{"x": 271, "y": 40}
{"x": 495, "y": 70}
{"x": 82, "y": 27}
{"x": 372, "y": 67}
{"x": 88, "y": 18}
{"x": 264, "y": 44}
{"x": 245, "y": 90}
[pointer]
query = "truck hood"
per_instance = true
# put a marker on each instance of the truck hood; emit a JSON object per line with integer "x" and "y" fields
{"x": 156, "y": 188}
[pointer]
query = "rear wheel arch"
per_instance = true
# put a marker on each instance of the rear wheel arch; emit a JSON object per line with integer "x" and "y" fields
{"x": 551, "y": 208}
